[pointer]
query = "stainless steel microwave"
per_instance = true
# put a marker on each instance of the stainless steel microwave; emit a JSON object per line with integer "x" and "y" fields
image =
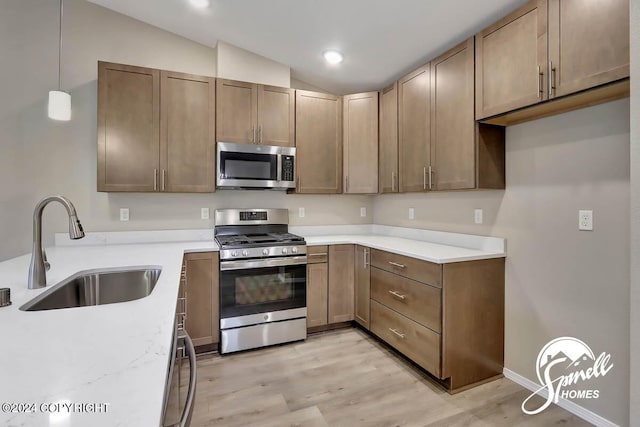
{"x": 255, "y": 166}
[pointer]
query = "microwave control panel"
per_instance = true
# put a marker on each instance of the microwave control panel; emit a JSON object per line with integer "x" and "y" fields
{"x": 287, "y": 168}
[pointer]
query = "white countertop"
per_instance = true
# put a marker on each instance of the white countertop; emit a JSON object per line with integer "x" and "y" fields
{"x": 118, "y": 354}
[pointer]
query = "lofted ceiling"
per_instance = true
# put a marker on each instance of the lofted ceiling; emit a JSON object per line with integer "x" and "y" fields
{"x": 381, "y": 39}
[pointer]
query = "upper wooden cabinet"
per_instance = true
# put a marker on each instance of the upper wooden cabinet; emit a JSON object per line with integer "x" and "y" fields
{"x": 588, "y": 44}
{"x": 548, "y": 49}
{"x": 414, "y": 129}
{"x": 187, "y": 133}
{"x": 360, "y": 139}
{"x": 254, "y": 114}
{"x": 155, "y": 130}
{"x": 318, "y": 142}
{"x": 511, "y": 61}
{"x": 128, "y": 128}
{"x": 388, "y": 144}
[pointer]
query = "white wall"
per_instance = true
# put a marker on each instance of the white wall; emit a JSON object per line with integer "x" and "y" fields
{"x": 635, "y": 215}
{"x": 559, "y": 281}
{"x": 39, "y": 157}
{"x": 238, "y": 64}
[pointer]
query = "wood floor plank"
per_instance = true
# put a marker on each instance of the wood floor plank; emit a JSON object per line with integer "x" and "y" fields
{"x": 347, "y": 378}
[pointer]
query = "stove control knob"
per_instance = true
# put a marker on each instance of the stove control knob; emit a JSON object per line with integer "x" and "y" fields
{"x": 245, "y": 253}
{"x": 265, "y": 252}
{"x": 234, "y": 253}
{"x": 284, "y": 250}
{"x": 294, "y": 250}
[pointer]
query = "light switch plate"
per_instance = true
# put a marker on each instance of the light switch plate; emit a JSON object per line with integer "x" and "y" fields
{"x": 301, "y": 212}
{"x": 412, "y": 213}
{"x": 585, "y": 220}
{"x": 124, "y": 214}
{"x": 477, "y": 216}
{"x": 363, "y": 212}
{"x": 204, "y": 213}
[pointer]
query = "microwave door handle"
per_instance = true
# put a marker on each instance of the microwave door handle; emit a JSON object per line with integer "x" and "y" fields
{"x": 279, "y": 167}
{"x": 185, "y": 419}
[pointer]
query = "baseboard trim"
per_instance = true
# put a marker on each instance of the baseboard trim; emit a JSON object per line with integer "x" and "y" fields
{"x": 569, "y": 405}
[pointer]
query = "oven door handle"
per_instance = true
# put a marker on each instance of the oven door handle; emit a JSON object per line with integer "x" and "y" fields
{"x": 273, "y": 262}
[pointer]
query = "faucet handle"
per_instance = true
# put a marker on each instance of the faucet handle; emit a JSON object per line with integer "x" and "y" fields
{"x": 47, "y": 265}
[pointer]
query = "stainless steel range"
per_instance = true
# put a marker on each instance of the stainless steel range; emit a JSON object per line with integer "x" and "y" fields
{"x": 263, "y": 279}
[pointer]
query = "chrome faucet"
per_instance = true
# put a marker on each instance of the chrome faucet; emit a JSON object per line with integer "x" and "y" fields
{"x": 39, "y": 264}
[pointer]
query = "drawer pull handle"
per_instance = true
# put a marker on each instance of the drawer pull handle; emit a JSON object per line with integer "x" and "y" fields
{"x": 397, "y": 295}
{"x": 322, "y": 254}
{"x": 395, "y": 264}
{"x": 400, "y": 334}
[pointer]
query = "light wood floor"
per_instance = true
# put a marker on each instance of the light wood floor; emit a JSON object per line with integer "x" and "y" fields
{"x": 346, "y": 378}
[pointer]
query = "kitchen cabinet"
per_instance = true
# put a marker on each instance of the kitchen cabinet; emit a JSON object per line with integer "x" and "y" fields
{"x": 317, "y": 286}
{"x": 414, "y": 129}
{"x": 362, "y": 285}
{"x": 511, "y": 59}
{"x": 341, "y": 283}
{"x": 250, "y": 113}
{"x": 155, "y": 130}
{"x": 388, "y": 145}
{"x": 548, "y": 49}
{"x": 128, "y": 128}
{"x": 448, "y": 318}
{"x": 318, "y": 143}
{"x": 588, "y": 44}
{"x": 464, "y": 154}
{"x": 202, "y": 297}
{"x": 360, "y": 140}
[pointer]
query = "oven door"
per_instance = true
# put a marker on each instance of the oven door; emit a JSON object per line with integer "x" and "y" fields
{"x": 247, "y": 166}
{"x": 255, "y": 287}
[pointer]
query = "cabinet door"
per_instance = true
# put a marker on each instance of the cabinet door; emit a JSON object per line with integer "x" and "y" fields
{"x": 317, "y": 275}
{"x": 341, "y": 283}
{"x": 388, "y": 171}
{"x": 276, "y": 116}
{"x": 318, "y": 142}
{"x": 511, "y": 61}
{"x": 360, "y": 139}
{"x": 128, "y": 128}
{"x": 588, "y": 43}
{"x": 363, "y": 282}
{"x": 452, "y": 119}
{"x": 236, "y": 111}
{"x": 187, "y": 133}
{"x": 414, "y": 129}
{"x": 202, "y": 293}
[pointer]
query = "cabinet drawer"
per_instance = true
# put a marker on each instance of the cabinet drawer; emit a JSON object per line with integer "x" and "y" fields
{"x": 418, "y": 343}
{"x": 317, "y": 254}
{"x": 417, "y": 301}
{"x": 422, "y": 271}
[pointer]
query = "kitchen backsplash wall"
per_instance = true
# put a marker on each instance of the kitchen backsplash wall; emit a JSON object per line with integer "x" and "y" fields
{"x": 559, "y": 281}
{"x": 39, "y": 156}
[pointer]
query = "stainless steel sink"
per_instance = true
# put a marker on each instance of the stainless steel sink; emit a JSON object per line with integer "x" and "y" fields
{"x": 97, "y": 287}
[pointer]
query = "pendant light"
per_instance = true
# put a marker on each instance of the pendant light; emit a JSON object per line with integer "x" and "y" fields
{"x": 59, "y": 101}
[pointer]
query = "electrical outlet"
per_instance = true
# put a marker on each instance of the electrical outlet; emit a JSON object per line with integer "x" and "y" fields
{"x": 585, "y": 220}
{"x": 124, "y": 214}
{"x": 363, "y": 212}
{"x": 412, "y": 213}
{"x": 477, "y": 216}
{"x": 301, "y": 212}
{"x": 204, "y": 213}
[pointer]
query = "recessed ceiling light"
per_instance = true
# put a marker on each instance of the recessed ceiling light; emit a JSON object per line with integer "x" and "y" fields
{"x": 200, "y": 4}
{"x": 333, "y": 56}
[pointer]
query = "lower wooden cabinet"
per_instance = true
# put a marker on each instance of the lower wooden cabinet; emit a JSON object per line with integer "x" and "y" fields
{"x": 317, "y": 275}
{"x": 362, "y": 285}
{"x": 341, "y": 283}
{"x": 202, "y": 297}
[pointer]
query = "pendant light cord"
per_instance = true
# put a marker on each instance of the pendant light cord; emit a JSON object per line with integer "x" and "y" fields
{"x": 60, "y": 49}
